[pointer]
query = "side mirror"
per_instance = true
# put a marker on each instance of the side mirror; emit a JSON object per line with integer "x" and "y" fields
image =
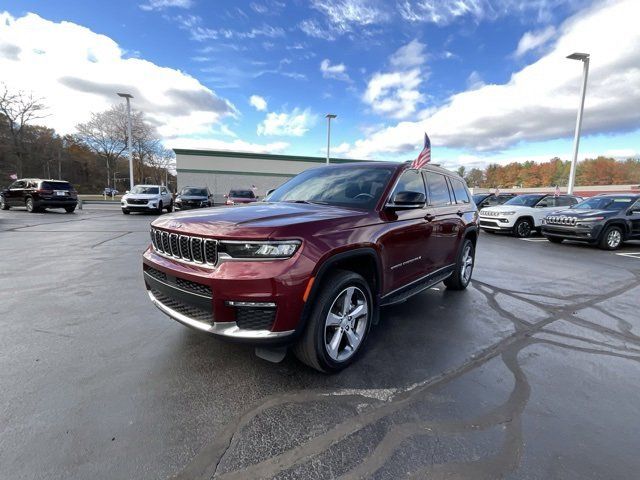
{"x": 406, "y": 200}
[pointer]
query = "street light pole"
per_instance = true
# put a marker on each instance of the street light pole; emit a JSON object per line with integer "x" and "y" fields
{"x": 584, "y": 58}
{"x": 128, "y": 97}
{"x": 329, "y": 116}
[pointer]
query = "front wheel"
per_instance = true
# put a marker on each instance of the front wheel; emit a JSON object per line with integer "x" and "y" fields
{"x": 338, "y": 324}
{"x": 611, "y": 239}
{"x": 170, "y": 208}
{"x": 160, "y": 208}
{"x": 523, "y": 228}
{"x": 461, "y": 276}
{"x": 70, "y": 209}
{"x": 125, "y": 211}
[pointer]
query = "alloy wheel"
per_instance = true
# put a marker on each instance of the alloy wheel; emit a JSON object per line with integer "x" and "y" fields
{"x": 346, "y": 324}
{"x": 614, "y": 238}
{"x": 467, "y": 264}
{"x": 524, "y": 229}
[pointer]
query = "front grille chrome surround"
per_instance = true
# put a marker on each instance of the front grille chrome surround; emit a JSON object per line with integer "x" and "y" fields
{"x": 560, "y": 220}
{"x": 185, "y": 248}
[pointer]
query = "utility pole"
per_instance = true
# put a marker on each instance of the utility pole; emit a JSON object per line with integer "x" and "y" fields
{"x": 329, "y": 116}
{"x": 128, "y": 97}
{"x": 584, "y": 58}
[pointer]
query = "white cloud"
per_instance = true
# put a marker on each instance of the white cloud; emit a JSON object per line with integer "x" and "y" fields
{"x": 337, "y": 71}
{"x": 342, "y": 14}
{"x": 474, "y": 81}
{"x": 199, "y": 32}
{"x": 533, "y": 40}
{"x": 235, "y": 145}
{"x": 410, "y": 55}
{"x": 539, "y": 102}
{"x": 162, "y": 4}
{"x": 295, "y": 123}
{"x": 396, "y": 94}
{"x": 77, "y": 71}
{"x": 315, "y": 30}
{"x": 258, "y": 102}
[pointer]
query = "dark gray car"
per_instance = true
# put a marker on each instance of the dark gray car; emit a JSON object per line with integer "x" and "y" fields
{"x": 193, "y": 197}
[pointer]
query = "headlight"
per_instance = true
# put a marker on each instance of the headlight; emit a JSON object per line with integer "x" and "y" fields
{"x": 250, "y": 250}
{"x": 178, "y": 200}
{"x": 508, "y": 213}
{"x": 590, "y": 219}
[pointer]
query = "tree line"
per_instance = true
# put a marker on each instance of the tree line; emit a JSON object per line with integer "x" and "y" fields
{"x": 91, "y": 158}
{"x": 593, "y": 171}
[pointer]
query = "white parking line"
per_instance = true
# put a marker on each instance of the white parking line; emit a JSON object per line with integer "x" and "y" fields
{"x": 534, "y": 239}
{"x": 635, "y": 255}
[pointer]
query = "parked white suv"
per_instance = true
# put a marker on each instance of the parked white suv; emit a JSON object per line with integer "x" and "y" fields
{"x": 523, "y": 214}
{"x": 147, "y": 198}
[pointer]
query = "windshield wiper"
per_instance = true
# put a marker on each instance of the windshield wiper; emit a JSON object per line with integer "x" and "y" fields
{"x": 308, "y": 202}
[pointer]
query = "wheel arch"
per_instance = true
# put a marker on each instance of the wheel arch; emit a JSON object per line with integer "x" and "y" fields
{"x": 616, "y": 222}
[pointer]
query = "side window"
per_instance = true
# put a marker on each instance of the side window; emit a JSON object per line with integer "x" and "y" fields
{"x": 565, "y": 201}
{"x": 164, "y": 191}
{"x": 459, "y": 191}
{"x": 492, "y": 201}
{"x": 410, "y": 181}
{"x": 18, "y": 184}
{"x": 438, "y": 189}
{"x": 546, "y": 202}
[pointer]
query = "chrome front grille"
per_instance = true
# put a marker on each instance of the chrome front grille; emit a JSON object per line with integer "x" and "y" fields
{"x": 187, "y": 248}
{"x": 560, "y": 220}
{"x": 490, "y": 213}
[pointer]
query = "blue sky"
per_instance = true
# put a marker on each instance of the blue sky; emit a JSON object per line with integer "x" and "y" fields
{"x": 388, "y": 69}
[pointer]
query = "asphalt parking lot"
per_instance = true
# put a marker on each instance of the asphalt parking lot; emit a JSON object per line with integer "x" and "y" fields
{"x": 533, "y": 372}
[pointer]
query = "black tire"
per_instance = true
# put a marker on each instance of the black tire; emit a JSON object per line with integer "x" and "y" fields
{"x": 70, "y": 209}
{"x": 160, "y": 208}
{"x": 611, "y": 238}
{"x": 523, "y": 228}
{"x": 555, "y": 239}
{"x": 461, "y": 276}
{"x": 125, "y": 211}
{"x": 311, "y": 346}
{"x": 170, "y": 208}
{"x": 3, "y": 204}
{"x": 30, "y": 205}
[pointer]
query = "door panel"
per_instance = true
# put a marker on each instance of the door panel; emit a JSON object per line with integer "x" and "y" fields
{"x": 445, "y": 220}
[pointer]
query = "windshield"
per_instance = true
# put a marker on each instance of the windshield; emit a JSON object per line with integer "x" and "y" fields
{"x": 478, "y": 197}
{"x": 348, "y": 187}
{"x": 146, "y": 190}
{"x": 525, "y": 200}
{"x": 242, "y": 194}
{"x": 194, "y": 192}
{"x": 605, "y": 203}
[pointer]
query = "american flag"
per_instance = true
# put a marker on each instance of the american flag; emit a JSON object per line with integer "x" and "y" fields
{"x": 557, "y": 192}
{"x": 13, "y": 176}
{"x": 425, "y": 154}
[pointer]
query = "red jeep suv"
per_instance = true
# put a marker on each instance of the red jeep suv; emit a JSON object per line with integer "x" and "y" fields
{"x": 311, "y": 266}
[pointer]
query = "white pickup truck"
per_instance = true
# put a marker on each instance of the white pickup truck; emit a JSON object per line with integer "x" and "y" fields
{"x": 523, "y": 214}
{"x": 147, "y": 198}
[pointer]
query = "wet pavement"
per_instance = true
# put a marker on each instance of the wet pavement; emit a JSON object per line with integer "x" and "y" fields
{"x": 533, "y": 372}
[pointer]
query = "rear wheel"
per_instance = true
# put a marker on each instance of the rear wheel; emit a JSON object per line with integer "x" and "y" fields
{"x": 611, "y": 239}
{"x": 30, "y": 206}
{"x": 338, "y": 324}
{"x": 461, "y": 276}
{"x": 70, "y": 209}
{"x": 523, "y": 228}
{"x": 555, "y": 239}
{"x": 4, "y": 205}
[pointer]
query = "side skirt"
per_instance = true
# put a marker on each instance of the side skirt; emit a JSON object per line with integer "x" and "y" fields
{"x": 403, "y": 293}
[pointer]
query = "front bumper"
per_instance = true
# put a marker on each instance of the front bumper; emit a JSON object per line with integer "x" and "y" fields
{"x": 496, "y": 223}
{"x": 572, "y": 232}
{"x": 190, "y": 206}
{"x": 253, "y": 302}
{"x": 151, "y": 205}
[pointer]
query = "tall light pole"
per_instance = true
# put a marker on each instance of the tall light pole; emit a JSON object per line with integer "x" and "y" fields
{"x": 329, "y": 116}
{"x": 128, "y": 97}
{"x": 584, "y": 58}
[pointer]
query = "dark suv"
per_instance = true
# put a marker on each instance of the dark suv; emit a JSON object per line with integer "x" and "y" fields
{"x": 193, "y": 197}
{"x": 605, "y": 220}
{"x": 36, "y": 194}
{"x": 312, "y": 265}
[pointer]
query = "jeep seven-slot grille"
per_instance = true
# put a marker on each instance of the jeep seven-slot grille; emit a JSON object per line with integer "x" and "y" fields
{"x": 561, "y": 220}
{"x": 187, "y": 248}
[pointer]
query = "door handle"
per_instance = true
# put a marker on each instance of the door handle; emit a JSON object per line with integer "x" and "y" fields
{"x": 429, "y": 218}
{"x": 459, "y": 213}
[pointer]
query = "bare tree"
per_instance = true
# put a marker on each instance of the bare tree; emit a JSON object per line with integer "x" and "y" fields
{"x": 19, "y": 109}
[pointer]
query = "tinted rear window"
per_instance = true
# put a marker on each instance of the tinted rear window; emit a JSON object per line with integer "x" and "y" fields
{"x": 438, "y": 189}
{"x": 459, "y": 190}
{"x": 241, "y": 194}
{"x": 56, "y": 186}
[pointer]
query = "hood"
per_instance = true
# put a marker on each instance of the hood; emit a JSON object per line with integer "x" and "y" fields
{"x": 142, "y": 196}
{"x": 507, "y": 208}
{"x": 192, "y": 197}
{"x": 581, "y": 213}
{"x": 256, "y": 220}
